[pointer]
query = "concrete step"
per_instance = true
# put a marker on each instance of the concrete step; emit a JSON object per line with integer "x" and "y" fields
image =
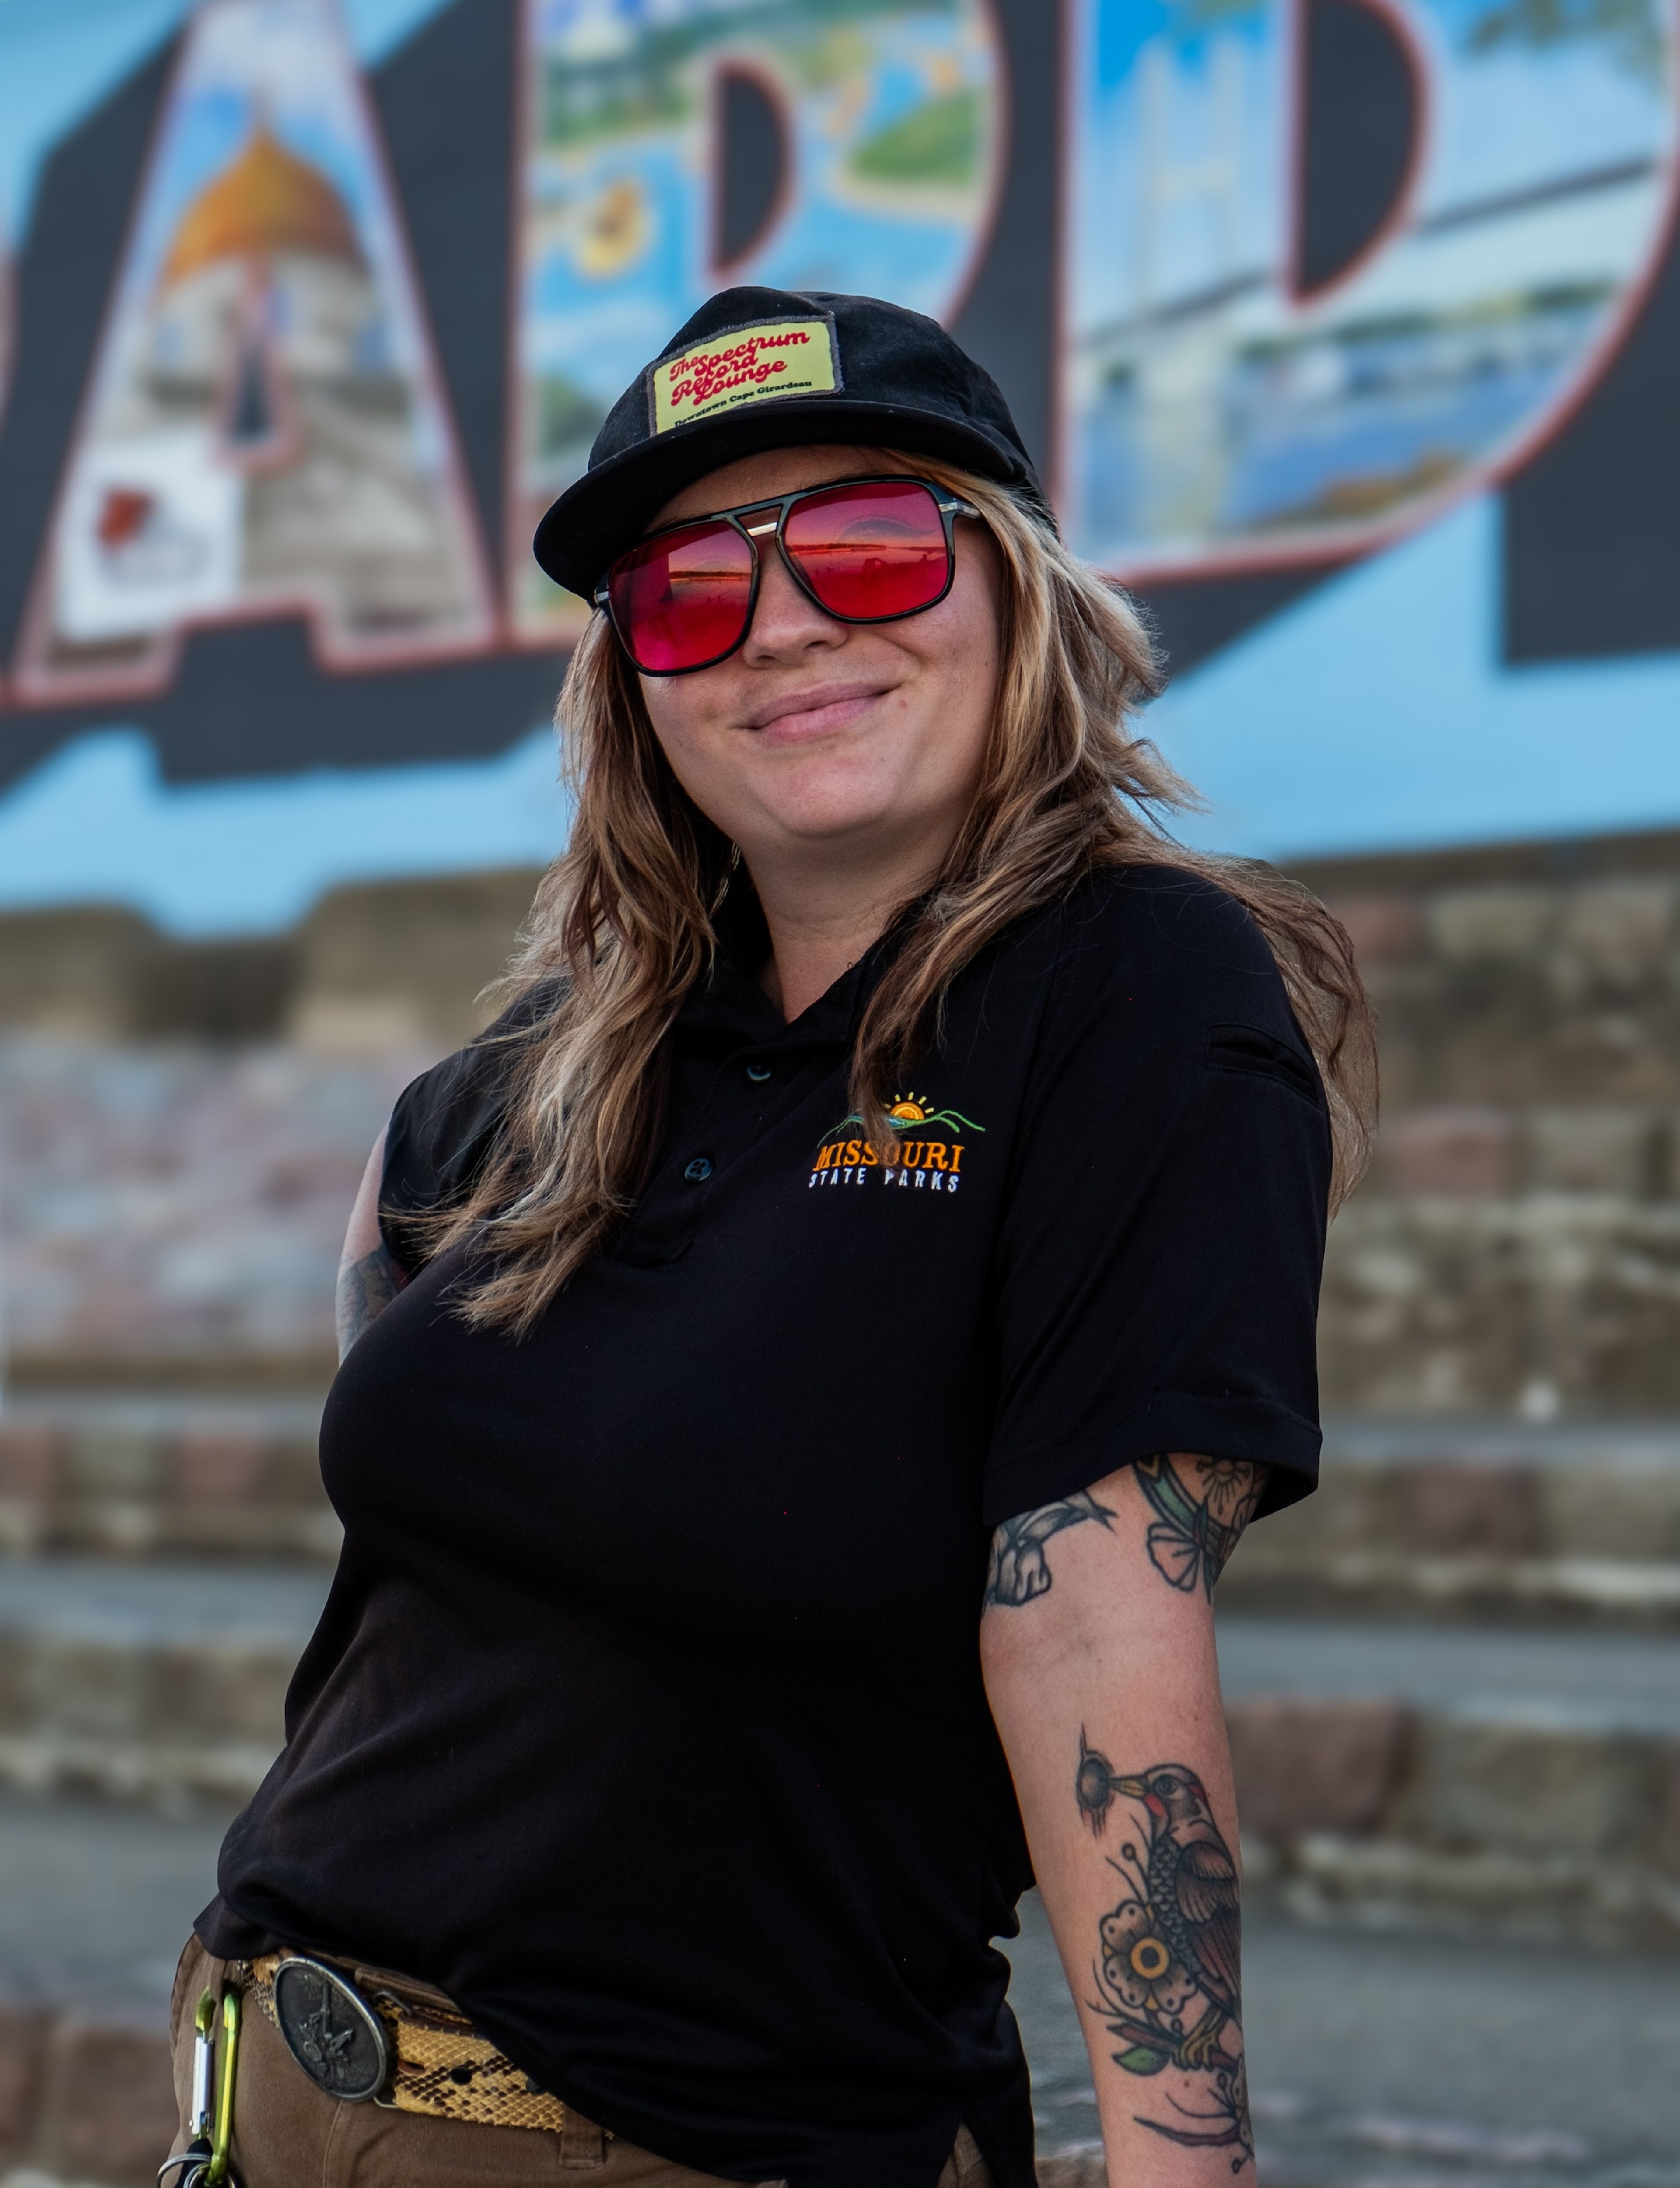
{"x": 1441, "y": 2062}
{"x": 1521, "y": 1784}
{"x": 1518, "y": 1785}
{"x": 1457, "y": 1519}
{"x": 1625, "y": 1682}
{"x": 1541, "y": 1305}
{"x": 160, "y": 1683}
{"x": 136, "y": 1476}
{"x": 1558, "y": 1526}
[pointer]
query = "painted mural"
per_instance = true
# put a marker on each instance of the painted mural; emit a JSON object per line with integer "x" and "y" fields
{"x": 1213, "y": 417}
{"x": 250, "y": 641}
{"x": 265, "y": 429}
{"x": 7, "y": 308}
{"x": 891, "y": 122}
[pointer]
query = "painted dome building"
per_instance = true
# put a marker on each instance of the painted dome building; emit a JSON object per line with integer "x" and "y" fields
{"x": 266, "y": 255}
{"x": 265, "y": 349}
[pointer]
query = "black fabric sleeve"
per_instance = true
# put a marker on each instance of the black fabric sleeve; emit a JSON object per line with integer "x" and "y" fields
{"x": 1156, "y": 1284}
{"x": 444, "y": 1128}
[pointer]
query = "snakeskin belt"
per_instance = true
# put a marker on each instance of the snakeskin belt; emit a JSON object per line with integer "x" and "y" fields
{"x": 362, "y": 2033}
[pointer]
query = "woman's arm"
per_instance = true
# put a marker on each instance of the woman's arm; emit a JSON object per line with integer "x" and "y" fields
{"x": 368, "y": 1278}
{"x": 1097, "y": 1643}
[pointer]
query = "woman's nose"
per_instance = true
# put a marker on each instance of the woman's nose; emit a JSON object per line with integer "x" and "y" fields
{"x": 787, "y": 621}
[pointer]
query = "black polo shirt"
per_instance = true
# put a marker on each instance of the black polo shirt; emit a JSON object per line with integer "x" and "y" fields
{"x": 645, "y": 1715}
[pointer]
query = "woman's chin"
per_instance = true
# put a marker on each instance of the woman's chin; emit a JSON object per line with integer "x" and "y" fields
{"x": 848, "y": 823}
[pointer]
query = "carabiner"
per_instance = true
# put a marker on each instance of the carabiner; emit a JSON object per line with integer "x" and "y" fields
{"x": 190, "y": 2163}
{"x": 216, "y": 2174}
{"x": 204, "y": 2065}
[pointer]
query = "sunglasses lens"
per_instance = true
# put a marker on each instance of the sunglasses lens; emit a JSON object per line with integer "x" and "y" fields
{"x": 871, "y": 551}
{"x": 681, "y": 600}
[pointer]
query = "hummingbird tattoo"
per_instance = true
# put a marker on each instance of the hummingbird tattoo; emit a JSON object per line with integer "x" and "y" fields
{"x": 1170, "y": 1951}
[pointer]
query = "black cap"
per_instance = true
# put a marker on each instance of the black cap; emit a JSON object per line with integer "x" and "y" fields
{"x": 776, "y": 368}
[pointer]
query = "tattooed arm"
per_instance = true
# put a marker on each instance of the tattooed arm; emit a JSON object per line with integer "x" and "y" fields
{"x": 368, "y": 1278}
{"x": 1020, "y": 1567}
{"x": 1097, "y": 1643}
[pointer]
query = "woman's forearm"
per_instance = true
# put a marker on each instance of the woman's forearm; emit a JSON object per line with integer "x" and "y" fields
{"x": 1098, "y": 1647}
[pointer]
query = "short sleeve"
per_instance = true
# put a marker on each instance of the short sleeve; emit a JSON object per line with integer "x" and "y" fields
{"x": 1160, "y": 1258}
{"x": 443, "y": 1130}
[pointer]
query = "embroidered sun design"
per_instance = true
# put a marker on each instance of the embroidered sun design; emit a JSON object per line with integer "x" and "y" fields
{"x": 906, "y": 1111}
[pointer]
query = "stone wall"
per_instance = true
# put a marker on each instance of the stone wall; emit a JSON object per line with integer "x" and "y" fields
{"x": 1515, "y": 1248}
{"x": 390, "y": 964}
{"x": 1517, "y": 1245}
{"x": 83, "y": 2099}
{"x": 172, "y": 1213}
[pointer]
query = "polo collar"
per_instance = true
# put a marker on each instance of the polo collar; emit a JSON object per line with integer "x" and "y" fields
{"x": 727, "y": 997}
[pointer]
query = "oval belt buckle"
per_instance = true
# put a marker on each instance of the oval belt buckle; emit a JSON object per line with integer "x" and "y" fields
{"x": 330, "y": 2030}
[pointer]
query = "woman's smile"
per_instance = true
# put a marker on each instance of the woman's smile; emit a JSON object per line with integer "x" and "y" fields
{"x": 820, "y": 710}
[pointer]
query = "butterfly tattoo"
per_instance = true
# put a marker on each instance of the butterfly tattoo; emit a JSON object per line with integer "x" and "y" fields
{"x": 1201, "y": 1507}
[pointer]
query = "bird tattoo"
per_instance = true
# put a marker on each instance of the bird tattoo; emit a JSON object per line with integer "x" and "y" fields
{"x": 1174, "y": 1939}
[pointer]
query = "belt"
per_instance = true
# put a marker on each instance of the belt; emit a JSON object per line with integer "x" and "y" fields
{"x": 360, "y": 2032}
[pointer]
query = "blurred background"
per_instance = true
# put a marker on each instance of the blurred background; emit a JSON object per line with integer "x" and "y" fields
{"x": 1348, "y": 335}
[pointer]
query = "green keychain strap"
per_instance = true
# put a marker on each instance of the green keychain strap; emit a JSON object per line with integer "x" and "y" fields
{"x": 216, "y": 2172}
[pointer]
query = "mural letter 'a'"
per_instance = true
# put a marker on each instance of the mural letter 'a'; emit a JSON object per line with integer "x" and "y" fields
{"x": 850, "y": 144}
{"x": 1213, "y": 414}
{"x": 264, "y": 429}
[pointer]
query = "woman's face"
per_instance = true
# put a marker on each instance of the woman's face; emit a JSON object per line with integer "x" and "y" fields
{"x": 822, "y": 739}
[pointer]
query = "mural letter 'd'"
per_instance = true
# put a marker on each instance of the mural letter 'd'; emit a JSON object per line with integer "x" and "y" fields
{"x": 848, "y": 145}
{"x": 264, "y": 429}
{"x": 1213, "y": 414}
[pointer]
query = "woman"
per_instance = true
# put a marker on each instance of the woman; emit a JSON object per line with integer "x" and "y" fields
{"x": 900, "y": 1178}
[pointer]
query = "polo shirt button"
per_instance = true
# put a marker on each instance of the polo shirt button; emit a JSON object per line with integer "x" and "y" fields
{"x": 758, "y": 1073}
{"x": 699, "y": 1170}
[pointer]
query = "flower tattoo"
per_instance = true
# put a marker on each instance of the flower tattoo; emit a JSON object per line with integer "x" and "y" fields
{"x": 1139, "y": 1967}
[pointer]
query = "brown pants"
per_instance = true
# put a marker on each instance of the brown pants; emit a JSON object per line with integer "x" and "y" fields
{"x": 288, "y": 2133}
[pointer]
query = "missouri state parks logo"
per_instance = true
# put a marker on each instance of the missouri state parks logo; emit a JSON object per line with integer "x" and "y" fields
{"x": 915, "y": 1161}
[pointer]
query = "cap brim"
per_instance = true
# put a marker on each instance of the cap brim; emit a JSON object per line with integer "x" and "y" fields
{"x": 611, "y": 507}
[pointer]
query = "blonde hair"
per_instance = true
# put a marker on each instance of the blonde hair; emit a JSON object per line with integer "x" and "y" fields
{"x": 622, "y": 923}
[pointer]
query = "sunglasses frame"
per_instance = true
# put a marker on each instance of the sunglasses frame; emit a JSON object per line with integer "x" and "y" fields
{"x": 950, "y": 506}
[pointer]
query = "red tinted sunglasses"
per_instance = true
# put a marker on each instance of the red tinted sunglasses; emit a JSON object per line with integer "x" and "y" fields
{"x": 868, "y": 550}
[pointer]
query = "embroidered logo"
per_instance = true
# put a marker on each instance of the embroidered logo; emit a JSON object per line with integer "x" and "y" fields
{"x": 920, "y": 1163}
{"x": 912, "y": 1109}
{"x": 776, "y": 356}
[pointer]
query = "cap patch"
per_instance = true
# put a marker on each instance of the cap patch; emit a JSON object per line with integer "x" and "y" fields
{"x": 745, "y": 364}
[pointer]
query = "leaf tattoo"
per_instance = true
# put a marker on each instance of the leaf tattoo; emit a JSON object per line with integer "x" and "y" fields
{"x": 1195, "y": 1528}
{"x": 1019, "y": 1570}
